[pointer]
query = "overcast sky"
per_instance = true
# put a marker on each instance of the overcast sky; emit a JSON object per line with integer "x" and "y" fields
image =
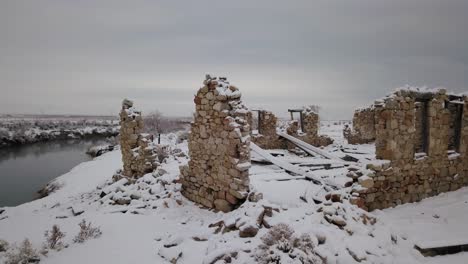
{"x": 84, "y": 57}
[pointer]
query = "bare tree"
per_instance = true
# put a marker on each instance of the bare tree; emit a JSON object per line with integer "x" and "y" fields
{"x": 153, "y": 122}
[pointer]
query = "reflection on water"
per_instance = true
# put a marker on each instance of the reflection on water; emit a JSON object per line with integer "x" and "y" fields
{"x": 26, "y": 169}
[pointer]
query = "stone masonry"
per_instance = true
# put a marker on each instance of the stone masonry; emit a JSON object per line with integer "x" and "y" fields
{"x": 217, "y": 175}
{"x": 363, "y": 127}
{"x": 137, "y": 148}
{"x": 310, "y": 129}
{"x": 267, "y": 137}
{"x": 423, "y": 135}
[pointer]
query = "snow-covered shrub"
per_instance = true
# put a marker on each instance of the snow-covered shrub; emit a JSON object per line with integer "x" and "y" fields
{"x": 162, "y": 152}
{"x": 3, "y": 245}
{"x": 280, "y": 245}
{"x": 87, "y": 232}
{"x": 182, "y": 136}
{"x": 23, "y": 254}
{"x": 54, "y": 238}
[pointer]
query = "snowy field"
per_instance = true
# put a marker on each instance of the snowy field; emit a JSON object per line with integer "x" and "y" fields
{"x": 150, "y": 222}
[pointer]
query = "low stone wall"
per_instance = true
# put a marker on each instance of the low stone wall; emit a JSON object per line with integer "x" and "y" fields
{"x": 138, "y": 153}
{"x": 363, "y": 127}
{"x": 217, "y": 175}
{"x": 411, "y": 175}
{"x": 267, "y": 137}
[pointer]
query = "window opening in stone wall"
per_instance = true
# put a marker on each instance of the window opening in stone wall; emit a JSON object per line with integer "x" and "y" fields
{"x": 301, "y": 118}
{"x": 455, "y": 108}
{"x": 256, "y": 119}
{"x": 421, "y": 127}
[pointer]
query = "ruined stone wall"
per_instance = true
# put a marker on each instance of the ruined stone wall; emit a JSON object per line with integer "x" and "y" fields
{"x": 310, "y": 129}
{"x": 217, "y": 175}
{"x": 363, "y": 127}
{"x": 408, "y": 177}
{"x": 267, "y": 137}
{"x": 137, "y": 149}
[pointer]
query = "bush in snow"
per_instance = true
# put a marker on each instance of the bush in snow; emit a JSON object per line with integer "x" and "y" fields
{"x": 280, "y": 245}
{"x": 162, "y": 152}
{"x": 86, "y": 232}
{"x": 54, "y": 238}
{"x": 182, "y": 136}
{"x": 3, "y": 245}
{"x": 23, "y": 254}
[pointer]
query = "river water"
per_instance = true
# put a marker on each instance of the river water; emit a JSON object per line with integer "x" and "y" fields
{"x": 25, "y": 169}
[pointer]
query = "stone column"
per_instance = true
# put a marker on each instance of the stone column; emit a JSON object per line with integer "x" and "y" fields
{"x": 217, "y": 175}
{"x": 137, "y": 149}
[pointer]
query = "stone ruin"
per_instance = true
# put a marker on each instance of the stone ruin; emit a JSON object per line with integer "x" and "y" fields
{"x": 138, "y": 150}
{"x": 363, "y": 131}
{"x": 421, "y": 139}
{"x": 217, "y": 175}
{"x": 267, "y": 138}
{"x": 309, "y": 124}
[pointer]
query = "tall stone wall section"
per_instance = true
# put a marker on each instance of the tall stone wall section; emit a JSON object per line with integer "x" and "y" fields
{"x": 217, "y": 175}
{"x": 363, "y": 131}
{"x": 309, "y": 133}
{"x": 137, "y": 148}
{"x": 267, "y": 137}
{"x": 408, "y": 176}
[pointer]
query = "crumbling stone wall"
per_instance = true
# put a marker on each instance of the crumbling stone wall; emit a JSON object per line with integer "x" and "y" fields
{"x": 137, "y": 148}
{"x": 408, "y": 177}
{"x": 363, "y": 127}
{"x": 310, "y": 129}
{"x": 267, "y": 137}
{"x": 217, "y": 175}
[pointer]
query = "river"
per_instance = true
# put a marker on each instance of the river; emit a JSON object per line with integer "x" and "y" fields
{"x": 27, "y": 168}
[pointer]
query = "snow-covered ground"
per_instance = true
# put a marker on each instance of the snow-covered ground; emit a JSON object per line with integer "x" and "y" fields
{"x": 151, "y": 222}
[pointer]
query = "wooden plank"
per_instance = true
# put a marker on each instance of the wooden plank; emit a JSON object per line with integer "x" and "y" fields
{"x": 307, "y": 147}
{"x": 286, "y": 165}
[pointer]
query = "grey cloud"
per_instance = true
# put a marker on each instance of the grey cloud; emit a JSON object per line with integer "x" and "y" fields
{"x": 339, "y": 54}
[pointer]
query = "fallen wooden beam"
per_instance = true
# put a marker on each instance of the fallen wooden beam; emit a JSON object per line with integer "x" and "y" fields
{"x": 307, "y": 147}
{"x": 288, "y": 166}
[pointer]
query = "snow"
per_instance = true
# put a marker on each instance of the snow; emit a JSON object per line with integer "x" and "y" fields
{"x": 160, "y": 225}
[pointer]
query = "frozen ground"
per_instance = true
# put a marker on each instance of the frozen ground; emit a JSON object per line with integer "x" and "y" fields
{"x": 150, "y": 222}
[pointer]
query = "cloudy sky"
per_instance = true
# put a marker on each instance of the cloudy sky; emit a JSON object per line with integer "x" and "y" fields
{"x": 84, "y": 57}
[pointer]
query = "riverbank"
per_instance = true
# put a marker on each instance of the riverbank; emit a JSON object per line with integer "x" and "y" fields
{"x": 26, "y": 130}
{"x": 25, "y": 169}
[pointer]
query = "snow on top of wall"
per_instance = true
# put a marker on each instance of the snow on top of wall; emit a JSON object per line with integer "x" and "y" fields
{"x": 311, "y": 109}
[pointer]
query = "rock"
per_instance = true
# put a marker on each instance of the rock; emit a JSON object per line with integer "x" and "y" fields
{"x": 255, "y": 197}
{"x": 336, "y": 220}
{"x": 123, "y": 201}
{"x": 171, "y": 254}
{"x": 223, "y": 205}
{"x": 366, "y": 182}
{"x": 127, "y": 104}
{"x": 248, "y": 231}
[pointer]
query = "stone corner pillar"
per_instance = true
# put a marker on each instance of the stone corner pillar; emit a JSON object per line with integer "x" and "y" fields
{"x": 217, "y": 175}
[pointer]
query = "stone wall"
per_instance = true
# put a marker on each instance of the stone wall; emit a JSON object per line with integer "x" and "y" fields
{"x": 410, "y": 175}
{"x": 137, "y": 148}
{"x": 217, "y": 175}
{"x": 267, "y": 137}
{"x": 310, "y": 129}
{"x": 363, "y": 127}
